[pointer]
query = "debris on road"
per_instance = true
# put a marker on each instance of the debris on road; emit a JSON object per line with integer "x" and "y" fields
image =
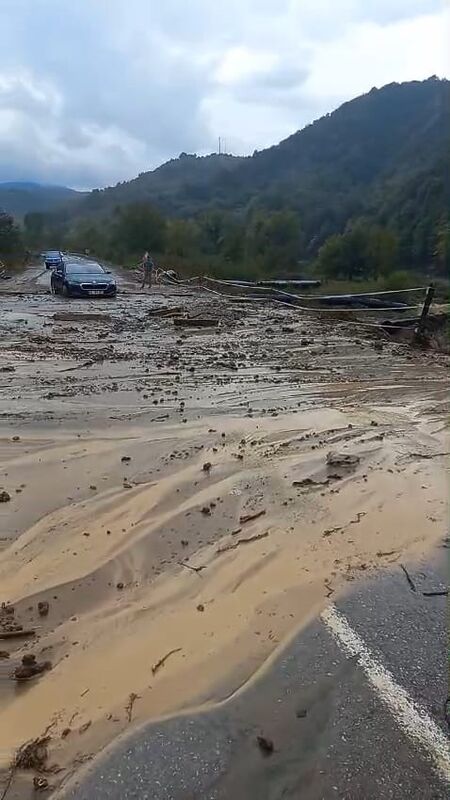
{"x": 311, "y": 482}
{"x": 163, "y": 660}
{"x": 233, "y": 546}
{"x": 193, "y": 569}
{"x": 40, "y": 784}
{"x": 43, "y": 608}
{"x": 33, "y": 754}
{"x": 358, "y": 518}
{"x": 342, "y": 460}
{"x": 195, "y": 322}
{"x": 250, "y": 517}
{"x": 80, "y": 316}
{"x": 78, "y": 366}
{"x": 18, "y": 633}
{"x": 166, "y": 311}
{"x": 83, "y": 728}
{"x": 129, "y": 706}
{"x": 411, "y": 583}
{"x": 30, "y": 668}
{"x": 330, "y": 531}
{"x": 265, "y": 745}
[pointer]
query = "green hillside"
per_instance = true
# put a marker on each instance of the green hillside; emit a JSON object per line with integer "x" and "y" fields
{"x": 383, "y": 156}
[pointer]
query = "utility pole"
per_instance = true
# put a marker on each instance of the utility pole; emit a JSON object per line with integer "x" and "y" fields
{"x": 219, "y": 146}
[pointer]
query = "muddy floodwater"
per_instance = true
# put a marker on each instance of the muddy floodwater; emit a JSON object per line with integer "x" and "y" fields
{"x": 178, "y": 501}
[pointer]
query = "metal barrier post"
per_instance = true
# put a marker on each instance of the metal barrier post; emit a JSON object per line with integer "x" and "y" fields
{"x": 423, "y": 317}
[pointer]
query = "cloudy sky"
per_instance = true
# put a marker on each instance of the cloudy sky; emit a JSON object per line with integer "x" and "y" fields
{"x": 96, "y": 91}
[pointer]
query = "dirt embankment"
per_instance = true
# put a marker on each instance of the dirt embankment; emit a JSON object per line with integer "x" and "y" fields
{"x": 180, "y": 501}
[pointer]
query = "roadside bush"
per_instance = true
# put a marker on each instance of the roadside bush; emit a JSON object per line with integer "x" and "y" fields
{"x": 401, "y": 279}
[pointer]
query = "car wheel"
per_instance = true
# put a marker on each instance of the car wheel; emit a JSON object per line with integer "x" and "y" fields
{"x": 64, "y": 291}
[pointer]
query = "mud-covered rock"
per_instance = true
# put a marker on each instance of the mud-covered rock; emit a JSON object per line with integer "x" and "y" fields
{"x": 43, "y": 608}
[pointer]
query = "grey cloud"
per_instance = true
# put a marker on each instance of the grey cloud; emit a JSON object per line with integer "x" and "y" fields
{"x": 95, "y": 91}
{"x": 284, "y": 77}
{"x": 147, "y": 95}
{"x": 386, "y": 11}
{"x": 19, "y": 95}
{"x": 278, "y": 87}
{"x": 72, "y": 135}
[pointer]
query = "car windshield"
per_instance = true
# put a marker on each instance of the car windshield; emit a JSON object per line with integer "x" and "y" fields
{"x": 53, "y": 254}
{"x": 84, "y": 269}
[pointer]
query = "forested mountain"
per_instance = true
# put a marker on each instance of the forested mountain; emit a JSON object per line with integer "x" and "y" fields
{"x": 387, "y": 136}
{"x": 180, "y": 187}
{"x": 383, "y": 156}
{"x": 19, "y": 198}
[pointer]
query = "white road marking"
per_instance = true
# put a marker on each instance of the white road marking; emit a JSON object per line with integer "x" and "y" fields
{"x": 413, "y": 719}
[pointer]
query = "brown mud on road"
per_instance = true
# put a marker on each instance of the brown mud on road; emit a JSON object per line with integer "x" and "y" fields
{"x": 137, "y": 459}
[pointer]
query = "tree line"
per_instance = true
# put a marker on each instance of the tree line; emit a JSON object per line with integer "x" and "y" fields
{"x": 261, "y": 243}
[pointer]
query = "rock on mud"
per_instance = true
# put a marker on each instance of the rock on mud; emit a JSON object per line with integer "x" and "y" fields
{"x": 28, "y": 659}
{"x": 40, "y": 784}
{"x": 31, "y": 669}
{"x": 43, "y": 608}
{"x": 342, "y": 460}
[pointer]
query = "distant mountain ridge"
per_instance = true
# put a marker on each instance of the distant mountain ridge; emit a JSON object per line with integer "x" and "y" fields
{"x": 21, "y": 197}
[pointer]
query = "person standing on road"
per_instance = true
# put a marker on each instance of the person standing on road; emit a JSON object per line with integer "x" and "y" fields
{"x": 147, "y": 267}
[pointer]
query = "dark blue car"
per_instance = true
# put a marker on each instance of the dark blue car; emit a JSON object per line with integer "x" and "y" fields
{"x": 83, "y": 279}
{"x": 53, "y": 259}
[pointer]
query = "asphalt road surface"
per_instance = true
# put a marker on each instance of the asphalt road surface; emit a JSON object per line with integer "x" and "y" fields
{"x": 354, "y": 708}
